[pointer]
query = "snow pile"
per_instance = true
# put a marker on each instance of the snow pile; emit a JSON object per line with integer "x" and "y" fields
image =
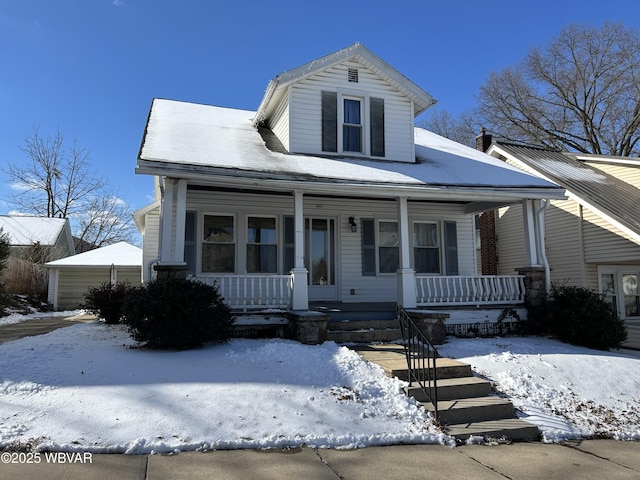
{"x": 13, "y": 318}
{"x": 568, "y": 392}
{"x": 82, "y": 389}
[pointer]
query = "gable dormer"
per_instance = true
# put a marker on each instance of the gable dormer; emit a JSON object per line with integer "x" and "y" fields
{"x": 349, "y": 103}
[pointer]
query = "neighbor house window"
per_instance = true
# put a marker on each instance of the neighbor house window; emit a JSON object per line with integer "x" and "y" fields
{"x": 631, "y": 294}
{"x": 262, "y": 245}
{"x": 352, "y": 125}
{"x": 218, "y": 244}
{"x": 388, "y": 247}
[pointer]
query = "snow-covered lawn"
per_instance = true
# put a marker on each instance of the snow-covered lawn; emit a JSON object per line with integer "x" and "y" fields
{"x": 569, "y": 392}
{"x": 85, "y": 388}
{"x": 13, "y": 318}
{"x": 81, "y": 388}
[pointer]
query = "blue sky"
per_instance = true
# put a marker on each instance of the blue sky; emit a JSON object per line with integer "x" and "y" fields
{"x": 90, "y": 68}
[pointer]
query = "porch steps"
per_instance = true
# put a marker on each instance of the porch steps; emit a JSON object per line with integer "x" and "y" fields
{"x": 363, "y": 331}
{"x": 466, "y": 405}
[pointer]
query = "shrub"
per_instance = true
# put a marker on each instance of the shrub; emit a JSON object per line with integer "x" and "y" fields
{"x": 177, "y": 314}
{"x": 581, "y": 316}
{"x": 107, "y": 301}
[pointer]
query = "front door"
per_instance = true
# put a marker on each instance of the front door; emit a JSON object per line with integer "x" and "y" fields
{"x": 320, "y": 253}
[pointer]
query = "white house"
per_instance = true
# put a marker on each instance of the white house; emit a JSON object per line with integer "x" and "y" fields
{"x": 327, "y": 193}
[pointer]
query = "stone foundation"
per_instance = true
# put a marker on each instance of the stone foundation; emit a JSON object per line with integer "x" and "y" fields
{"x": 308, "y": 327}
{"x": 430, "y": 323}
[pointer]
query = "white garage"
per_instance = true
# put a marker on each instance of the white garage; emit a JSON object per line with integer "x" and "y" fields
{"x": 71, "y": 277}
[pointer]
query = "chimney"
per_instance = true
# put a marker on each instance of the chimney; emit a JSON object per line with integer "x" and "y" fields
{"x": 483, "y": 141}
{"x": 488, "y": 236}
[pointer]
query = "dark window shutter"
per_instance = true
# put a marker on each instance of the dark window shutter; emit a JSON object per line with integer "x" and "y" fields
{"x": 329, "y": 122}
{"x": 368, "y": 247}
{"x": 376, "y": 106}
{"x": 451, "y": 248}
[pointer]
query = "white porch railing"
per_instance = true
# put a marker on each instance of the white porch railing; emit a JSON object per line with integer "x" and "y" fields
{"x": 253, "y": 291}
{"x": 469, "y": 290}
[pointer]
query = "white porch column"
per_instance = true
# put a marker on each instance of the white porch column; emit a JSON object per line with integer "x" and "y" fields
{"x": 534, "y": 254}
{"x": 406, "y": 275}
{"x": 181, "y": 218}
{"x": 300, "y": 294}
{"x": 166, "y": 220}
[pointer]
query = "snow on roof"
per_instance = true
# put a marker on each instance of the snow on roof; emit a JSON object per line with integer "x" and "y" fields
{"x": 121, "y": 254}
{"x": 182, "y": 133}
{"x": 27, "y": 230}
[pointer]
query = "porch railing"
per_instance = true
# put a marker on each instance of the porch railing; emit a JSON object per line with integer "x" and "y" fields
{"x": 469, "y": 290}
{"x": 421, "y": 358}
{"x": 253, "y": 291}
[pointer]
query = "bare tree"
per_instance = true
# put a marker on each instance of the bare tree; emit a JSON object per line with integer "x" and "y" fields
{"x": 581, "y": 92}
{"x": 460, "y": 129}
{"x": 55, "y": 182}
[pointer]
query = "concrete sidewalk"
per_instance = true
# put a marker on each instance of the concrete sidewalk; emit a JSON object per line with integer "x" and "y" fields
{"x": 592, "y": 459}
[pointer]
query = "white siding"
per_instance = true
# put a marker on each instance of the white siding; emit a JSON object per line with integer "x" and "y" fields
{"x": 379, "y": 288}
{"x": 150, "y": 243}
{"x": 305, "y": 110}
{"x": 279, "y": 122}
{"x": 562, "y": 239}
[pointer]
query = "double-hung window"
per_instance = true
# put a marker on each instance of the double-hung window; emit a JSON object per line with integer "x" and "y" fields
{"x": 426, "y": 247}
{"x": 388, "y": 247}
{"x": 352, "y": 125}
{"x": 218, "y": 244}
{"x": 262, "y": 245}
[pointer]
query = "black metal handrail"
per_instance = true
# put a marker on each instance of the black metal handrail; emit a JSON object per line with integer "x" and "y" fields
{"x": 421, "y": 358}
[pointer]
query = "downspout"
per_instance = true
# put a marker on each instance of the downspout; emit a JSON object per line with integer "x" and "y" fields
{"x": 543, "y": 253}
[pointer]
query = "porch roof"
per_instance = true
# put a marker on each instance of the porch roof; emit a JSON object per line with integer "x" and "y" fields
{"x": 187, "y": 140}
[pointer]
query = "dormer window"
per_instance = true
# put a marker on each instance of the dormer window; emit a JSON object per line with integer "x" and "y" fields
{"x": 352, "y": 125}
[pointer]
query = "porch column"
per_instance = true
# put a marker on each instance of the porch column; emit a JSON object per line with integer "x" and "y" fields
{"x": 300, "y": 294}
{"x": 530, "y": 209}
{"x": 406, "y": 275}
{"x": 172, "y": 224}
{"x": 536, "y": 271}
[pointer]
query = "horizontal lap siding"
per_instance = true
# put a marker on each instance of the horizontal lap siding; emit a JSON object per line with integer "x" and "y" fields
{"x": 280, "y": 122}
{"x": 604, "y": 243}
{"x": 150, "y": 242}
{"x": 73, "y": 283}
{"x": 627, "y": 174}
{"x": 633, "y": 334}
{"x": 562, "y": 241}
{"x": 511, "y": 245}
{"x": 305, "y": 110}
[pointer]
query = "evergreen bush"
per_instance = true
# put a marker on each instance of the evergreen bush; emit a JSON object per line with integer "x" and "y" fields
{"x": 177, "y": 314}
{"x": 583, "y": 317}
{"x": 107, "y": 301}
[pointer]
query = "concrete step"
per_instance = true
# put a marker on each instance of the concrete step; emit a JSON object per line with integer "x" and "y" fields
{"x": 513, "y": 429}
{"x": 476, "y": 409}
{"x": 362, "y": 325}
{"x": 452, "y": 388}
{"x": 364, "y": 336}
{"x": 446, "y": 368}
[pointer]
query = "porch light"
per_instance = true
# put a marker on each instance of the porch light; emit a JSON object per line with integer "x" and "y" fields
{"x": 352, "y": 222}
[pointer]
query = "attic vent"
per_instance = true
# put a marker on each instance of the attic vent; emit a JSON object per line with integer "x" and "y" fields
{"x": 352, "y": 75}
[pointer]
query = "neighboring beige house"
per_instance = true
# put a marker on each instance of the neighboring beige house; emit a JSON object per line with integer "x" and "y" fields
{"x": 593, "y": 237}
{"x": 70, "y": 278}
{"x": 327, "y": 193}
{"x": 33, "y": 241}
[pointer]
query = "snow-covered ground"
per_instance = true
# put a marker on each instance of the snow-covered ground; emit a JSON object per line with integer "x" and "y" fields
{"x": 569, "y": 392}
{"x": 81, "y": 388}
{"x": 84, "y": 388}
